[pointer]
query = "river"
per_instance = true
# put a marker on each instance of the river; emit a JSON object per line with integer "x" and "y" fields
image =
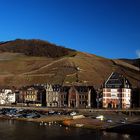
{"x": 18, "y": 130}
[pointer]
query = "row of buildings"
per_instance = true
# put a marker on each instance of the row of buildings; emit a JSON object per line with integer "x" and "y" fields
{"x": 57, "y": 96}
{"x": 116, "y": 93}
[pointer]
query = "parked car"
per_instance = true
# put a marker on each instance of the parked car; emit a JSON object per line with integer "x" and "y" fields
{"x": 32, "y": 115}
{"x": 73, "y": 113}
{"x": 109, "y": 121}
{"x": 122, "y": 121}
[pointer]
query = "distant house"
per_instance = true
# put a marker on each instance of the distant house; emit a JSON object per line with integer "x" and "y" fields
{"x": 63, "y": 97}
{"x": 33, "y": 95}
{"x": 77, "y": 96}
{"x": 52, "y": 95}
{"x": 7, "y": 96}
{"x": 116, "y": 92}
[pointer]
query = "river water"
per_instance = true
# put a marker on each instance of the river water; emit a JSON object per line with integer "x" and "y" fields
{"x": 18, "y": 130}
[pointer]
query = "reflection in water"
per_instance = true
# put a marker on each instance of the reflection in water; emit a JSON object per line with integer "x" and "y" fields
{"x": 15, "y": 130}
{"x": 126, "y": 136}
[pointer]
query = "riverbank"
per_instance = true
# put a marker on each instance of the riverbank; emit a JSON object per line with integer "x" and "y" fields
{"x": 86, "y": 122}
{"x": 112, "y": 121}
{"x": 47, "y": 119}
{"x": 92, "y": 123}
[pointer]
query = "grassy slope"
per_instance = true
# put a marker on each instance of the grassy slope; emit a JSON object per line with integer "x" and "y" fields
{"x": 135, "y": 62}
{"x": 18, "y": 69}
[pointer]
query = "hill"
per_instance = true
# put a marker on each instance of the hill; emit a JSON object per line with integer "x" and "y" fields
{"x": 35, "y": 48}
{"x": 135, "y": 62}
{"x": 19, "y": 68}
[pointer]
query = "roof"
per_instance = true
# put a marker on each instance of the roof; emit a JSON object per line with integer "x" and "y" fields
{"x": 116, "y": 80}
{"x": 80, "y": 89}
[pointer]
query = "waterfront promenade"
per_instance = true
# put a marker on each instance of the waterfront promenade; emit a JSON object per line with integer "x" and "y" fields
{"x": 83, "y": 110}
{"x": 111, "y": 118}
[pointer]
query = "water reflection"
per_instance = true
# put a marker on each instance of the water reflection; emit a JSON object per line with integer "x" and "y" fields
{"x": 16, "y": 130}
{"x": 126, "y": 136}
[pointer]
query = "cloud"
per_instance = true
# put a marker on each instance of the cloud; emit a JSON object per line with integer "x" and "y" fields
{"x": 138, "y": 53}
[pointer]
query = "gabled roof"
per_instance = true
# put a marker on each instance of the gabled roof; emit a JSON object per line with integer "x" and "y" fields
{"x": 32, "y": 87}
{"x": 116, "y": 80}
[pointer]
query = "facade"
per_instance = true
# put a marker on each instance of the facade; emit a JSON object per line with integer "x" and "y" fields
{"x": 76, "y": 97}
{"x": 68, "y": 96}
{"x": 79, "y": 97}
{"x": 7, "y": 96}
{"x": 52, "y": 95}
{"x": 32, "y": 95}
{"x": 116, "y": 92}
{"x": 63, "y": 97}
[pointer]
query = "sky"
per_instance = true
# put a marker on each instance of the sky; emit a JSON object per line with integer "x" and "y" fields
{"x": 108, "y": 28}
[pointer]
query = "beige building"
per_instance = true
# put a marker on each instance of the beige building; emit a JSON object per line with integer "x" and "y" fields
{"x": 32, "y": 95}
{"x": 69, "y": 96}
{"x": 52, "y": 95}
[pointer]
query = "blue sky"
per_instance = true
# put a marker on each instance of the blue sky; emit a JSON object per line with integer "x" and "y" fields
{"x": 109, "y": 28}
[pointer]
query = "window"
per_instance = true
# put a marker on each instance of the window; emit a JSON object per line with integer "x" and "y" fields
{"x": 119, "y": 90}
{"x": 113, "y": 90}
{"x": 83, "y": 102}
{"x": 108, "y": 90}
{"x": 108, "y": 95}
{"x": 113, "y": 95}
{"x": 62, "y": 96}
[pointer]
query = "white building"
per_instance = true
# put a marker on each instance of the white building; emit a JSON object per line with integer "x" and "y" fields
{"x": 116, "y": 92}
{"x": 7, "y": 96}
